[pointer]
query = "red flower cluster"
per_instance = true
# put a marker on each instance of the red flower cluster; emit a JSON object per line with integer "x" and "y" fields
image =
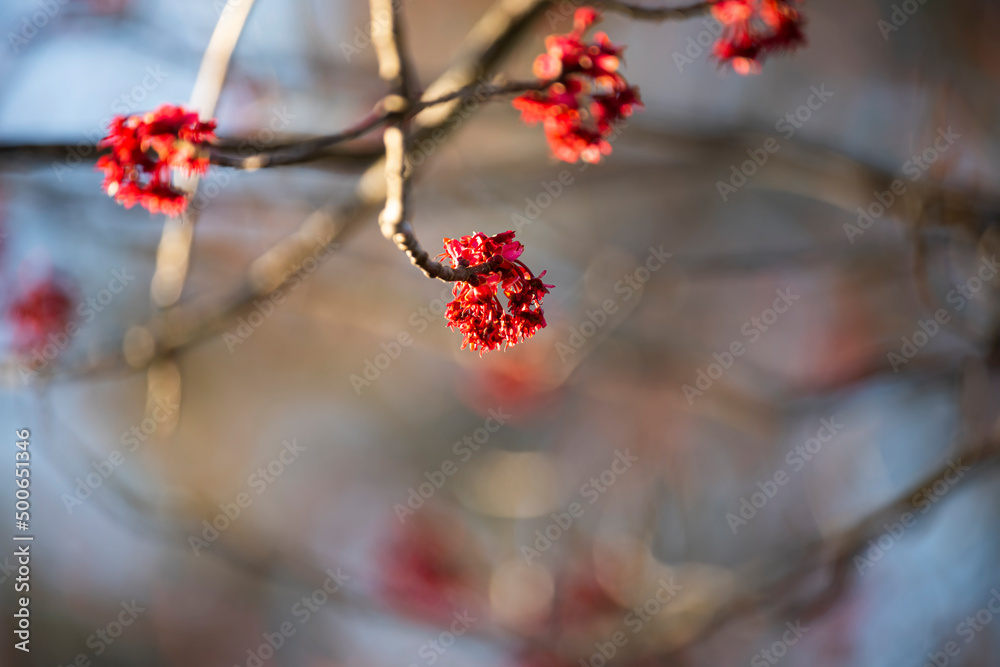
{"x": 42, "y": 310}
{"x": 587, "y": 96}
{"x": 145, "y": 148}
{"x": 754, "y": 29}
{"x": 476, "y": 310}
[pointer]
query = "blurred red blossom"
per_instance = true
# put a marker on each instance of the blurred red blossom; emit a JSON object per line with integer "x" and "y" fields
{"x": 144, "y": 150}
{"x": 754, "y": 29}
{"x": 476, "y": 310}
{"x": 43, "y": 308}
{"x": 582, "y": 599}
{"x": 587, "y": 96}
{"x": 107, "y": 7}
{"x": 427, "y": 568}
{"x": 523, "y": 384}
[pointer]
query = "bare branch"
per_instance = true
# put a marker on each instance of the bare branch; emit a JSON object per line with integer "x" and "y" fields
{"x": 641, "y": 13}
{"x": 299, "y": 151}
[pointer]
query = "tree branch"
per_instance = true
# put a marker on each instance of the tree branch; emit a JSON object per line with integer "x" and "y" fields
{"x": 295, "y": 152}
{"x": 641, "y": 13}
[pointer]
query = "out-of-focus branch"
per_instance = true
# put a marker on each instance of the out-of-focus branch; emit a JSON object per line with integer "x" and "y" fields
{"x": 173, "y": 255}
{"x": 254, "y": 552}
{"x": 641, "y": 13}
{"x": 218, "y": 53}
{"x": 767, "y": 591}
{"x": 394, "y": 64}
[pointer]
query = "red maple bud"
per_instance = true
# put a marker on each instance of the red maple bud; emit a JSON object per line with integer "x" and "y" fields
{"x": 41, "y": 310}
{"x": 144, "y": 150}
{"x": 476, "y": 310}
{"x": 587, "y": 96}
{"x": 753, "y": 29}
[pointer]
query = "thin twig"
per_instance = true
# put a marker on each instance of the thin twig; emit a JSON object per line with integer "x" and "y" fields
{"x": 394, "y": 68}
{"x": 288, "y": 153}
{"x": 641, "y": 13}
{"x": 305, "y": 150}
{"x": 301, "y": 151}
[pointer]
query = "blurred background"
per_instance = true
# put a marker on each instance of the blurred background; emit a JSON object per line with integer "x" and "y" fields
{"x": 759, "y": 428}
